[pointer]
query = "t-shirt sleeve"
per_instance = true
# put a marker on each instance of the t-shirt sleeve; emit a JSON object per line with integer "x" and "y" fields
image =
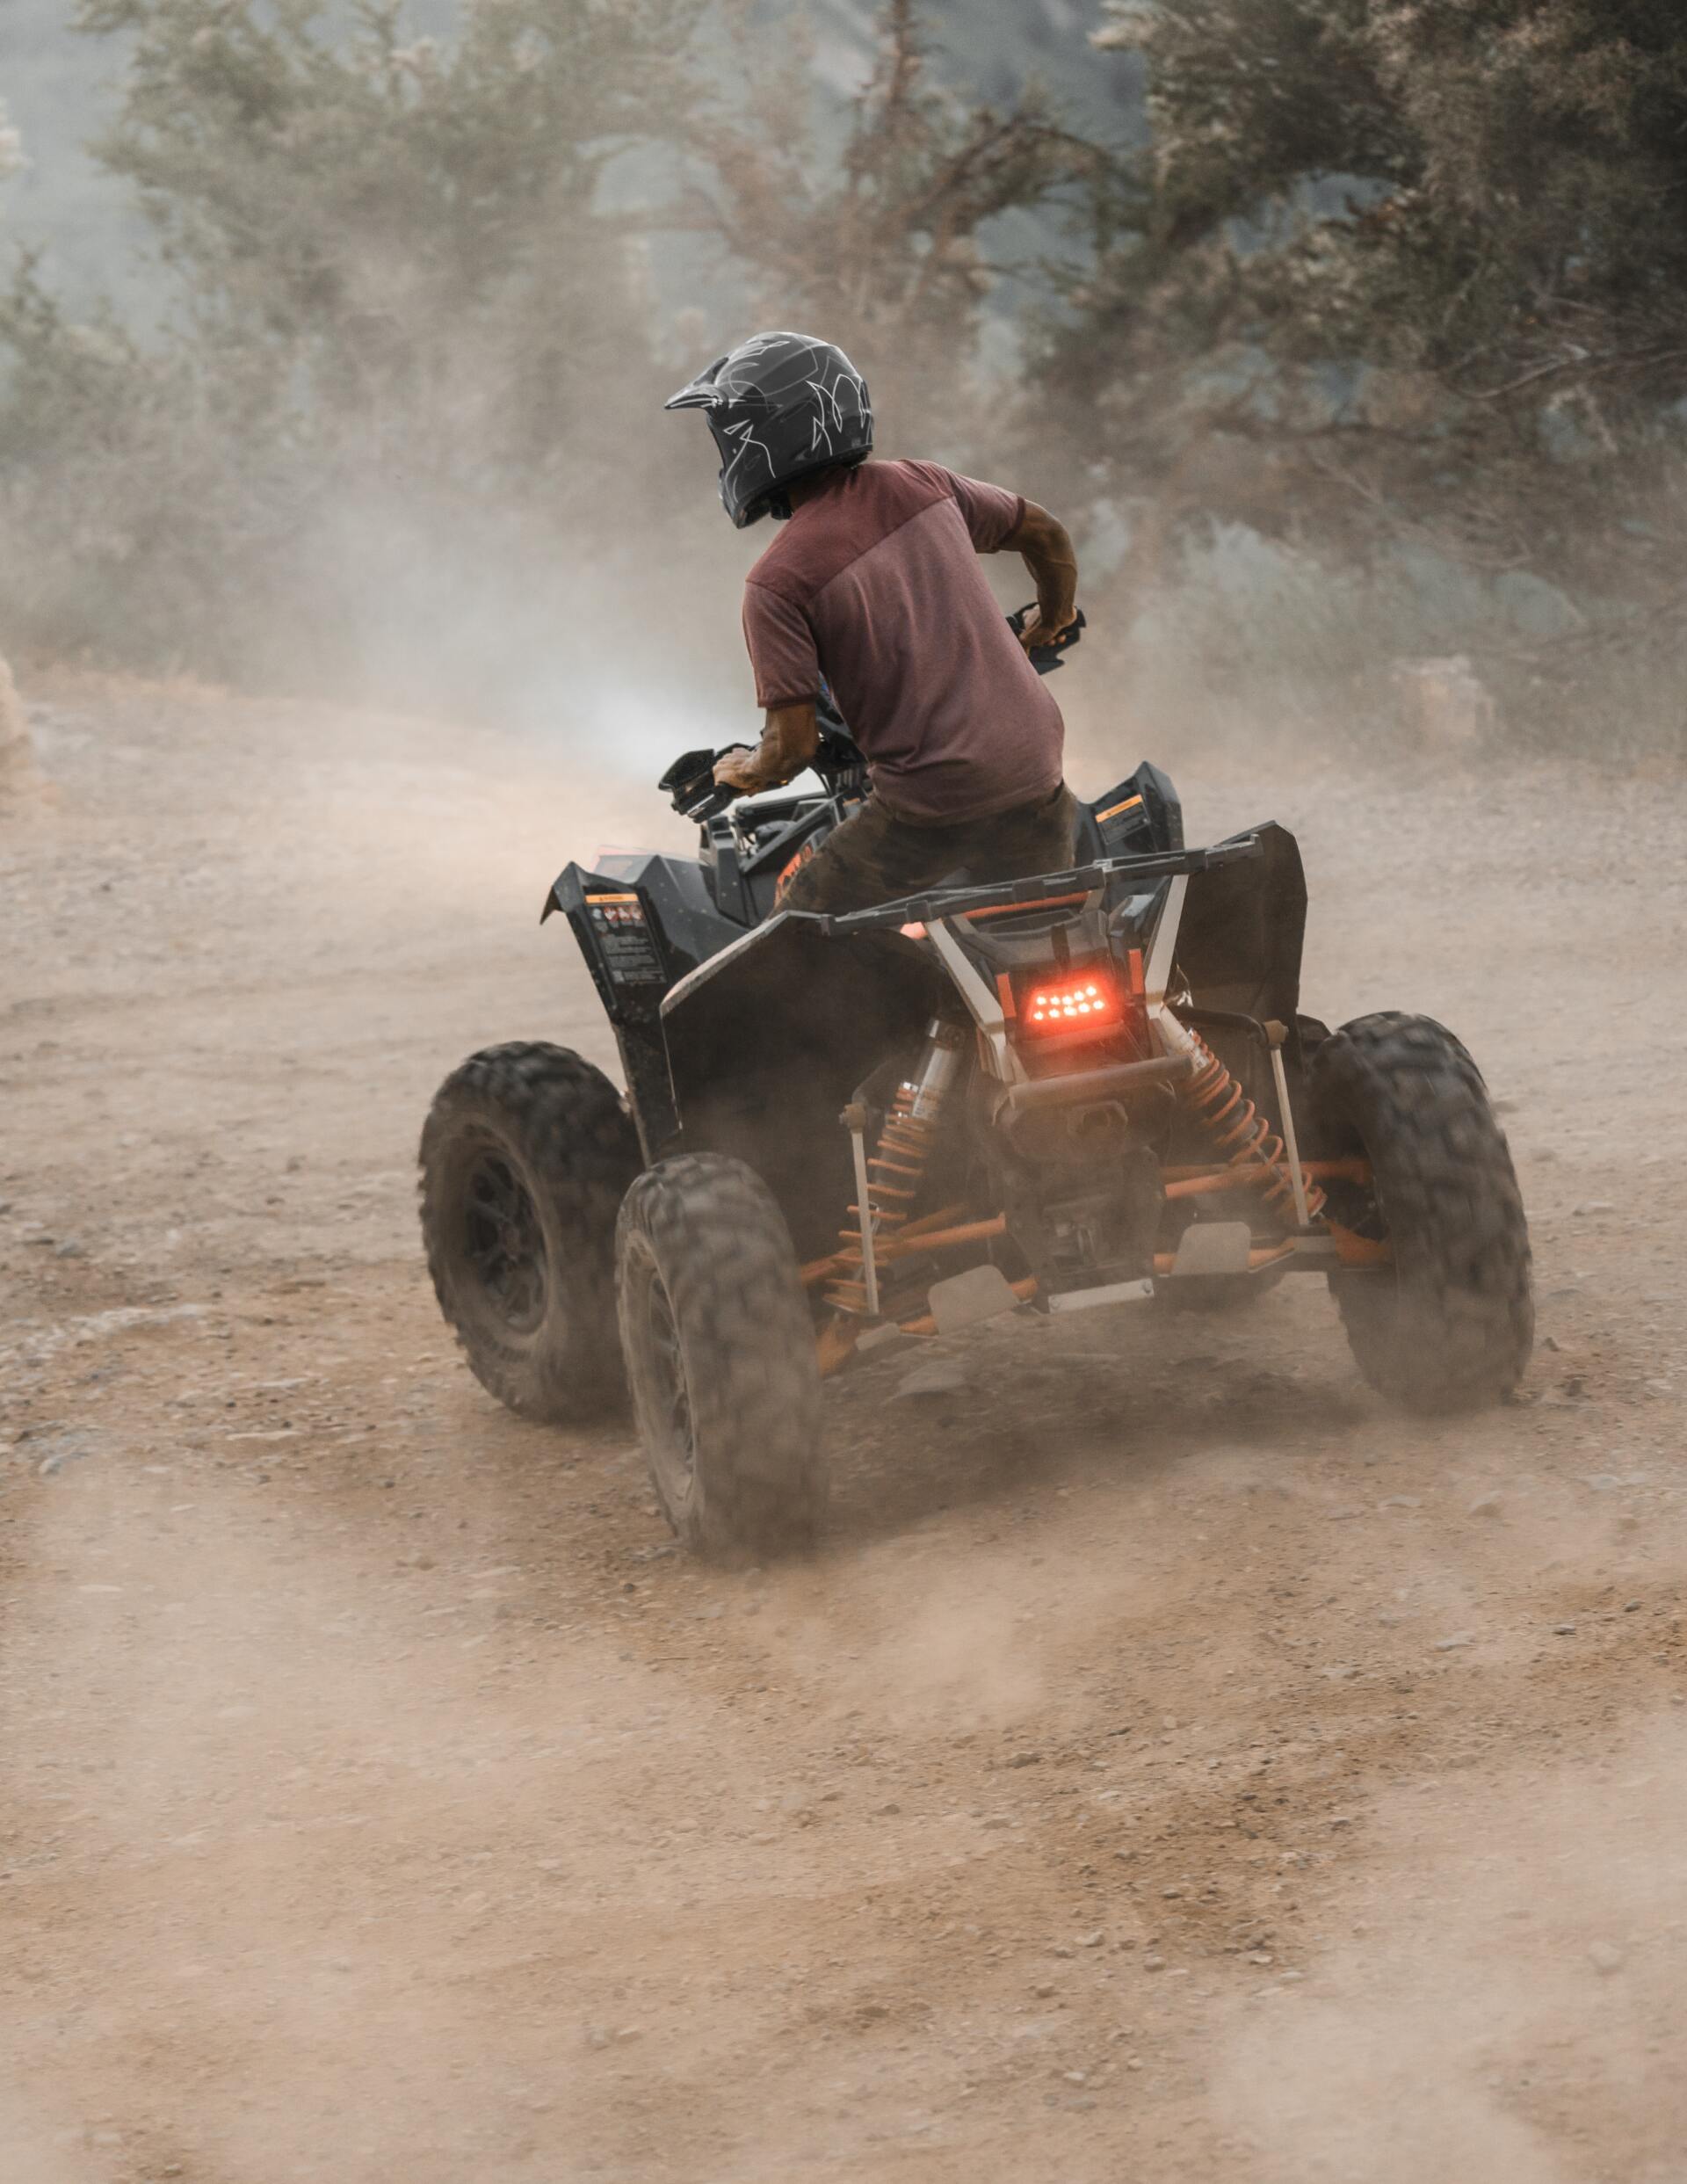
{"x": 781, "y": 648}
{"x": 991, "y": 513}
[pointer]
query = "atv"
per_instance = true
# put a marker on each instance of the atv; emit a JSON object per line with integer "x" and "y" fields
{"x": 1078, "y": 1091}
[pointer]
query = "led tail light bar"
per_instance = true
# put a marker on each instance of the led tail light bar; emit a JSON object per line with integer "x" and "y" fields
{"x": 1091, "y": 1001}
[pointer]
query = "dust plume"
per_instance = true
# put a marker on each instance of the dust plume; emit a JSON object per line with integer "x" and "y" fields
{"x": 1518, "y": 1945}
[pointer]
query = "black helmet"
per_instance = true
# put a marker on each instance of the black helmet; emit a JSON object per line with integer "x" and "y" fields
{"x": 779, "y": 405}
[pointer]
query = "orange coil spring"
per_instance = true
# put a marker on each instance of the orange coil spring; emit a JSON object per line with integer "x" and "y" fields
{"x": 1238, "y": 1129}
{"x": 896, "y": 1167}
{"x": 895, "y": 1170}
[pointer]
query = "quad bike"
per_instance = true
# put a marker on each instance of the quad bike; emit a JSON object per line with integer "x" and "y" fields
{"x": 1079, "y": 1090}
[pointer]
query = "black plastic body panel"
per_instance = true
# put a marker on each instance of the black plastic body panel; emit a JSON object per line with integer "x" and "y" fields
{"x": 677, "y": 900}
{"x": 641, "y": 926}
{"x": 1243, "y": 930}
{"x": 1136, "y": 816}
{"x": 744, "y": 880}
{"x": 766, "y": 1046}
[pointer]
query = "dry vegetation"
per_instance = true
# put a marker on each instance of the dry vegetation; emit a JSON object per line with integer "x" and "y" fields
{"x": 1387, "y": 311}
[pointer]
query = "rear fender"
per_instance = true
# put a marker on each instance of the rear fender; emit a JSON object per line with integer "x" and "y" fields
{"x": 766, "y": 1042}
{"x": 1243, "y": 929}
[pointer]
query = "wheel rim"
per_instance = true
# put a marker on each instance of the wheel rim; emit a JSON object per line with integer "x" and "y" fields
{"x": 1360, "y": 1207}
{"x": 506, "y": 1243}
{"x": 674, "y": 1445}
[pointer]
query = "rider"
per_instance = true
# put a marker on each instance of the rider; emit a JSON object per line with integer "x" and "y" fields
{"x": 873, "y": 588}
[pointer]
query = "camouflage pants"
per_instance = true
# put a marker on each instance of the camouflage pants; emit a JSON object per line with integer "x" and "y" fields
{"x": 875, "y": 857}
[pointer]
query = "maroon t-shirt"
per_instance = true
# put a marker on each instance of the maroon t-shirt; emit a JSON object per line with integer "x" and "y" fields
{"x": 874, "y": 583}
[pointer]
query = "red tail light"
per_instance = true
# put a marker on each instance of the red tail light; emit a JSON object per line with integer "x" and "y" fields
{"x": 1089, "y": 1002}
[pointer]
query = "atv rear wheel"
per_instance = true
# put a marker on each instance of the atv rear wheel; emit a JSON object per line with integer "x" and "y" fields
{"x": 526, "y": 1154}
{"x": 721, "y": 1358}
{"x": 1451, "y": 1325}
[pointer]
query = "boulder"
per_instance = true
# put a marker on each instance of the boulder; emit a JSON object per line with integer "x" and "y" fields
{"x": 1444, "y": 704}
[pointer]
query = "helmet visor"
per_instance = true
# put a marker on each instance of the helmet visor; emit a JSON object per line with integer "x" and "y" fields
{"x": 702, "y": 394}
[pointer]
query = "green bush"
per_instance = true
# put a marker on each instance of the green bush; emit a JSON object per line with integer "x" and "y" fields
{"x": 1448, "y": 243}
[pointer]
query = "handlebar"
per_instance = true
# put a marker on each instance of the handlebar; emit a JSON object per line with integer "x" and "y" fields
{"x": 690, "y": 785}
{"x": 691, "y": 789}
{"x": 1046, "y": 658}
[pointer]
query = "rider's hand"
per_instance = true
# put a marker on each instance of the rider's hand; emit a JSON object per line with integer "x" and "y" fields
{"x": 1037, "y": 634}
{"x": 737, "y": 769}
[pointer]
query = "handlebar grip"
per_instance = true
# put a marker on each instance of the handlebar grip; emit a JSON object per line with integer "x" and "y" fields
{"x": 691, "y": 789}
{"x": 708, "y": 804}
{"x": 1046, "y": 658}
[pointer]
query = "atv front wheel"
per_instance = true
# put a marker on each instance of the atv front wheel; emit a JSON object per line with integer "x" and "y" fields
{"x": 721, "y": 1358}
{"x": 526, "y": 1154}
{"x": 1449, "y": 1324}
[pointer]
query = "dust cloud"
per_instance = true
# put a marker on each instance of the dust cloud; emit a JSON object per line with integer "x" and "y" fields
{"x": 1508, "y": 1997}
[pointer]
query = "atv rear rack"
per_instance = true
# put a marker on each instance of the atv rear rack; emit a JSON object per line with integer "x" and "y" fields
{"x": 1047, "y": 887}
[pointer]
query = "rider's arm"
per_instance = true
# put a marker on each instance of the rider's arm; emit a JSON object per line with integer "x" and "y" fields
{"x": 789, "y": 741}
{"x": 999, "y": 522}
{"x": 1045, "y": 545}
{"x": 783, "y": 653}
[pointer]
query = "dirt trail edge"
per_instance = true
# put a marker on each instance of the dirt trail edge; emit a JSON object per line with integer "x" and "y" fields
{"x": 1176, "y": 1765}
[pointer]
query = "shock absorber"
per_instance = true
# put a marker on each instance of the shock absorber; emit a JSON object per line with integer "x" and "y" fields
{"x": 1237, "y": 1128}
{"x": 896, "y": 1166}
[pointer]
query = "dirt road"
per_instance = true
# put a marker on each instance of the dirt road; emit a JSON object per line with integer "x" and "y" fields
{"x": 1177, "y": 1767}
